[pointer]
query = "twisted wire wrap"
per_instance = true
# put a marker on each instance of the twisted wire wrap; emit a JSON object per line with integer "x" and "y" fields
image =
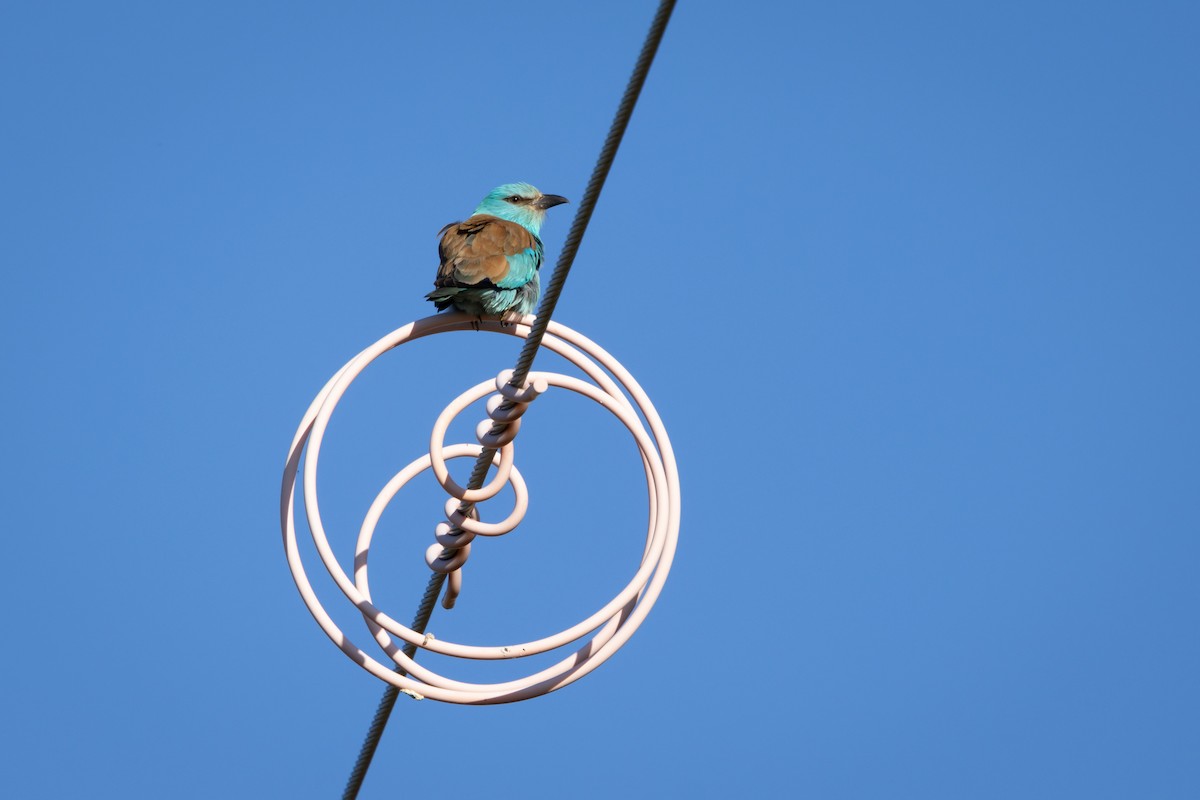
{"x": 583, "y": 215}
{"x": 609, "y": 385}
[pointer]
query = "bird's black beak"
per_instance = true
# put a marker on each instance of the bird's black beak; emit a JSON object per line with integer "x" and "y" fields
{"x": 550, "y": 201}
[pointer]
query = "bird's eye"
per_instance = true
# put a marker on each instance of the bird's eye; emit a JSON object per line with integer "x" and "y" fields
{"x": 516, "y": 198}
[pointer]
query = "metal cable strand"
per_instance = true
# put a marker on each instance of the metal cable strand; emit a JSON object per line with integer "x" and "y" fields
{"x": 375, "y": 732}
{"x": 584, "y": 215}
{"x": 525, "y": 360}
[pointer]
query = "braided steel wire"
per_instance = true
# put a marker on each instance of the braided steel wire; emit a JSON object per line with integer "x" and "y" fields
{"x": 595, "y": 184}
{"x": 525, "y": 360}
{"x": 388, "y": 701}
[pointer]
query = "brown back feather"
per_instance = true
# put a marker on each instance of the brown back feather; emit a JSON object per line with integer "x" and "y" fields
{"x": 476, "y": 250}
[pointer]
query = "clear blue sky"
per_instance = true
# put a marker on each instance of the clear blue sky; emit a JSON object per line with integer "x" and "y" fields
{"x": 914, "y": 286}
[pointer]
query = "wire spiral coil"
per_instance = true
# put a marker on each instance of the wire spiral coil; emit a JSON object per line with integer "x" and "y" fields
{"x": 609, "y": 627}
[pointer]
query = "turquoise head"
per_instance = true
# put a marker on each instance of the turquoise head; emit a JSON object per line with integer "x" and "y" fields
{"x": 519, "y": 203}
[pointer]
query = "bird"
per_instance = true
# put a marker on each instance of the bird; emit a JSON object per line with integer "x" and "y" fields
{"x": 490, "y": 262}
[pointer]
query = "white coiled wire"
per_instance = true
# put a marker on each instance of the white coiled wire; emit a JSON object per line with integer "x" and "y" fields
{"x": 610, "y": 626}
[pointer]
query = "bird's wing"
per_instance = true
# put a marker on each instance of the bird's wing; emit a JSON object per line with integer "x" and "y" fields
{"x": 487, "y": 251}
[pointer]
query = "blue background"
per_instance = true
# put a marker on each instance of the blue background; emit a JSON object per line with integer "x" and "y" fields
{"x": 914, "y": 287}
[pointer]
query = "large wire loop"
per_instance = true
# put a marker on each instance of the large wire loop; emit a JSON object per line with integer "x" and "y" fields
{"x": 612, "y": 387}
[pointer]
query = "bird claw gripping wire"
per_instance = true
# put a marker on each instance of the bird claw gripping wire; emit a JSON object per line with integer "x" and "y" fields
{"x": 609, "y": 385}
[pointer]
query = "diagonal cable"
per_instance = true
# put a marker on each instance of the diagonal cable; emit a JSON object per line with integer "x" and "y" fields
{"x": 583, "y": 216}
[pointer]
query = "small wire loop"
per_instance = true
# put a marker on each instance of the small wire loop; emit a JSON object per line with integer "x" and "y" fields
{"x": 452, "y": 538}
{"x": 534, "y": 385}
{"x": 438, "y": 459}
{"x": 500, "y": 409}
{"x": 506, "y": 433}
{"x": 444, "y": 561}
{"x": 508, "y": 524}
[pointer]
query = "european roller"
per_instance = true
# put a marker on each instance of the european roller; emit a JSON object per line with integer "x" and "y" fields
{"x": 490, "y": 262}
